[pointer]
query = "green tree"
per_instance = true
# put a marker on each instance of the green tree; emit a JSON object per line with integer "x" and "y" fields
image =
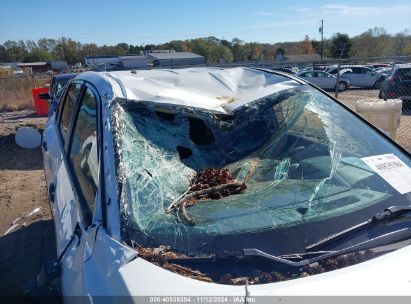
{"x": 399, "y": 42}
{"x": 372, "y": 43}
{"x": 407, "y": 49}
{"x": 219, "y": 54}
{"x": 316, "y": 45}
{"x": 47, "y": 44}
{"x": 306, "y": 45}
{"x": 15, "y": 51}
{"x": 68, "y": 50}
{"x": 4, "y": 54}
{"x": 340, "y": 43}
{"x": 280, "y": 51}
{"x": 38, "y": 54}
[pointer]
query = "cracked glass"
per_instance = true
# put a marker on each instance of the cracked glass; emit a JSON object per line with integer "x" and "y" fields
{"x": 298, "y": 152}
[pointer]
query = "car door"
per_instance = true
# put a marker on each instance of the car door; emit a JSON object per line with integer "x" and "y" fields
{"x": 361, "y": 78}
{"x": 326, "y": 80}
{"x": 404, "y": 82}
{"x": 53, "y": 138}
{"x": 78, "y": 187}
{"x": 352, "y": 75}
{"x": 370, "y": 77}
{"x": 308, "y": 76}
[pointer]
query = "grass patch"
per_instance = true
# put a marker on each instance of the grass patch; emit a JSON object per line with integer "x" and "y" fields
{"x": 15, "y": 93}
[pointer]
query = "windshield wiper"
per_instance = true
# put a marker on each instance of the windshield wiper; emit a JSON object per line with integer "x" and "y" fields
{"x": 379, "y": 241}
{"x": 382, "y": 217}
{"x": 294, "y": 261}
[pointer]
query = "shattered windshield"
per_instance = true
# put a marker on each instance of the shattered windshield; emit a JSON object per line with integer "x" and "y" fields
{"x": 268, "y": 175}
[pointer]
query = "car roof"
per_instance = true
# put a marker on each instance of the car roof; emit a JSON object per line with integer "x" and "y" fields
{"x": 65, "y": 76}
{"x": 403, "y": 66}
{"x": 210, "y": 88}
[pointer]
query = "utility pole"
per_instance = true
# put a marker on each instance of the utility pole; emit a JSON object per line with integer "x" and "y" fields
{"x": 337, "y": 89}
{"x": 321, "y": 30}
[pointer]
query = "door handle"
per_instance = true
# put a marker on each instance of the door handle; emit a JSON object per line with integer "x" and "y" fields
{"x": 45, "y": 146}
{"x": 52, "y": 192}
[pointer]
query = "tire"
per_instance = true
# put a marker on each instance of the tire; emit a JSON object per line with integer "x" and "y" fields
{"x": 378, "y": 83}
{"x": 342, "y": 86}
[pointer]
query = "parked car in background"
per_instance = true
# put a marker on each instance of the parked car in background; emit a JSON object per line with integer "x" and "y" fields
{"x": 57, "y": 83}
{"x": 378, "y": 65}
{"x": 325, "y": 80}
{"x": 385, "y": 71}
{"x": 284, "y": 70}
{"x": 321, "y": 68}
{"x": 221, "y": 182}
{"x": 398, "y": 84}
{"x": 360, "y": 76}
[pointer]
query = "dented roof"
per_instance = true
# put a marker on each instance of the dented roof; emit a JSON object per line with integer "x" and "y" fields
{"x": 218, "y": 89}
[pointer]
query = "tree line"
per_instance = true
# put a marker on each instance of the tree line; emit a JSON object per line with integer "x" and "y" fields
{"x": 372, "y": 43}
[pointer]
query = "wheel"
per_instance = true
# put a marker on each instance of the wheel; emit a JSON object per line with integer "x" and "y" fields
{"x": 342, "y": 86}
{"x": 378, "y": 83}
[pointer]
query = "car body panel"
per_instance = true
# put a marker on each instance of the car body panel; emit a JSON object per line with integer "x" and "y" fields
{"x": 127, "y": 275}
{"x": 95, "y": 262}
{"x": 359, "y": 76}
{"x": 63, "y": 207}
{"x": 322, "y": 79}
{"x": 398, "y": 84}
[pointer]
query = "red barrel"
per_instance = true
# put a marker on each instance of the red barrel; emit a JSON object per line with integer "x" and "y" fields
{"x": 40, "y": 105}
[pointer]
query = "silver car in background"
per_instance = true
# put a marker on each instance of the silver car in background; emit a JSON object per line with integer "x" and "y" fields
{"x": 325, "y": 80}
{"x": 359, "y": 76}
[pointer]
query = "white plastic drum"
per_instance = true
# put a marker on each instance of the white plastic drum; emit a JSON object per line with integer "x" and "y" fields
{"x": 384, "y": 114}
{"x": 28, "y": 138}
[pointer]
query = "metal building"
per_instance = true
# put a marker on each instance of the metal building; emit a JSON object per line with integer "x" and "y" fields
{"x": 133, "y": 61}
{"x": 105, "y": 59}
{"x": 172, "y": 59}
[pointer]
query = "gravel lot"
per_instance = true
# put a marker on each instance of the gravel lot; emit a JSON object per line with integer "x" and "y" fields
{"x": 22, "y": 189}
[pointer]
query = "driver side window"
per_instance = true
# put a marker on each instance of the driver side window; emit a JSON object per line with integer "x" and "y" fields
{"x": 83, "y": 151}
{"x": 67, "y": 111}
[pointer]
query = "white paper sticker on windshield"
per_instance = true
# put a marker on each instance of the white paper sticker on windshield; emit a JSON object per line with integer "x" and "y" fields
{"x": 392, "y": 169}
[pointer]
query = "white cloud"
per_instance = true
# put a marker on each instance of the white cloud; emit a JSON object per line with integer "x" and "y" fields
{"x": 282, "y": 24}
{"x": 303, "y": 9}
{"x": 266, "y": 14}
{"x": 365, "y": 10}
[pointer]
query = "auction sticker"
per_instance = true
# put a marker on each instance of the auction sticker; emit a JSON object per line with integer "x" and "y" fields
{"x": 392, "y": 169}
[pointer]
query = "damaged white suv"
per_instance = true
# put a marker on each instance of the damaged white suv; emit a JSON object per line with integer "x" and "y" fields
{"x": 223, "y": 182}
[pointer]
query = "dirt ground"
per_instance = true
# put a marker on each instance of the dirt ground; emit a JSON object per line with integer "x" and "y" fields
{"x": 22, "y": 190}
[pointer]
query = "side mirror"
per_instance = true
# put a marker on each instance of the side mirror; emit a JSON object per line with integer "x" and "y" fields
{"x": 44, "y": 96}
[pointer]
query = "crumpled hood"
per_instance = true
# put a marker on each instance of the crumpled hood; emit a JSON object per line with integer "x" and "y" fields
{"x": 216, "y": 89}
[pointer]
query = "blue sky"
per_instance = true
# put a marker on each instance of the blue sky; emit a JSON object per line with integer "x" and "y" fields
{"x": 156, "y": 21}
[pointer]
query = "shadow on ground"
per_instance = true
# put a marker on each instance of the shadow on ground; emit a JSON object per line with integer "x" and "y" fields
{"x": 14, "y": 157}
{"x": 22, "y": 255}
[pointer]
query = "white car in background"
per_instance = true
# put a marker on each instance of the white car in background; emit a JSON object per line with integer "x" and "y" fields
{"x": 221, "y": 184}
{"x": 325, "y": 80}
{"x": 360, "y": 76}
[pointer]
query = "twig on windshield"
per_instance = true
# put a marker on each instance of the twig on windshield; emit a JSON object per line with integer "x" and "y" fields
{"x": 190, "y": 199}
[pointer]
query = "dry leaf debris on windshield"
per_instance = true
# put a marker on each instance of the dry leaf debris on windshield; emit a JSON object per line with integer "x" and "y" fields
{"x": 208, "y": 184}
